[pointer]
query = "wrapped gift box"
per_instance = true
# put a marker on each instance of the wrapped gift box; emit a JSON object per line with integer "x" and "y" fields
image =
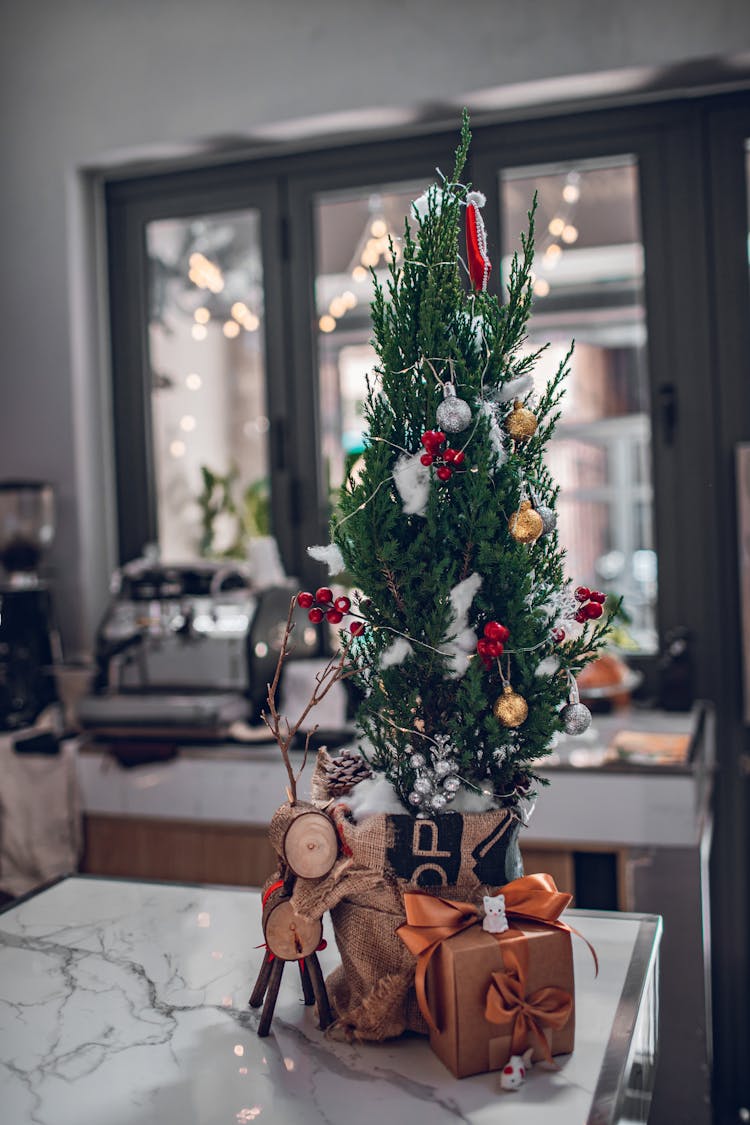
{"x": 458, "y": 978}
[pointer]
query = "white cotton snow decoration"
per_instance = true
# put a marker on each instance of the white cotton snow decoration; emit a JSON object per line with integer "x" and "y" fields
{"x": 516, "y": 388}
{"x": 372, "y": 796}
{"x": 330, "y": 555}
{"x": 461, "y": 641}
{"x": 496, "y": 435}
{"x": 468, "y": 800}
{"x": 422, "y": 203}
{"x": 548, "y": 666}
{"x": 396, "y": 653}
{"x": 412, "y": 480}
{"x": 477, "y": 198}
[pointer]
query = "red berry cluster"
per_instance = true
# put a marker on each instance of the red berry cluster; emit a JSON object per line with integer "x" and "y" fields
{"x": 321, "y": 604}
{"x": 592, "y": 603}
{"x": 492, "y": 644}
{"x": 447, "y": 460}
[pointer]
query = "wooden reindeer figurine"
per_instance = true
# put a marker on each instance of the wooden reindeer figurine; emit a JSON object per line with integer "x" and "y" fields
{"x": 306, "y": 841}
{"x": 288, "y": 937}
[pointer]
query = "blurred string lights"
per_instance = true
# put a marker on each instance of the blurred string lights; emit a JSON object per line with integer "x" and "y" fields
{"x": 561, "y": 232}
{"x": 376, "y": 245}
{"x": 378, "y": 241}
{"x": 207, "y": 275}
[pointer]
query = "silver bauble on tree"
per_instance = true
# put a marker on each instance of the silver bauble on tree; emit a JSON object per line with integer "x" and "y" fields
{"x": 576, "y": 718}
{"x": 548, "y": 517}
{"x": 453, "y": 414}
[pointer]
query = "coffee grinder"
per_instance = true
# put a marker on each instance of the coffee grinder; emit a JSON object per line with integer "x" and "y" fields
{"x": 28, "y": 641}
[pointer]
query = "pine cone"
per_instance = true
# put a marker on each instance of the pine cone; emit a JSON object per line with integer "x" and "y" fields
{"x": 343, "y": 773}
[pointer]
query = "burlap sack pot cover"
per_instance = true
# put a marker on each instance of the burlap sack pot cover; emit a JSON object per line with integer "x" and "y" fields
{"x": 456, "y": 855}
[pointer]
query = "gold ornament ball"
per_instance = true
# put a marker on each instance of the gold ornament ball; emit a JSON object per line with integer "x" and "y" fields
{"x": 526, "y": 525}
{"x": 521, "y": 423}
{"x": 511, "y": 709}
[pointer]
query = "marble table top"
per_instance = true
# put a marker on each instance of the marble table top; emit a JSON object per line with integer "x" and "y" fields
{"x": 126, "y": 1003}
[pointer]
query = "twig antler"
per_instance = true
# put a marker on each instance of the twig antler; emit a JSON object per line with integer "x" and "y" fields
{"x": 335, "y": 670}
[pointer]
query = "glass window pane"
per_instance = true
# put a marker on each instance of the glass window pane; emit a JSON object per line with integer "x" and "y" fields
{"x": 588, "y": 287}
{"x": 352, "y": 230}
{"x": 209, "y": 412}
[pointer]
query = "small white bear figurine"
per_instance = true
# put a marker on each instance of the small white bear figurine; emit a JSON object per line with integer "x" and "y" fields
{"x": 513, "y": 1074}
{"x": 494, "y": 921}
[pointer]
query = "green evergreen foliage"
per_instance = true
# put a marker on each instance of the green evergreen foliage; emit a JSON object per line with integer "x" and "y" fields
{"x": 430, "y": 326}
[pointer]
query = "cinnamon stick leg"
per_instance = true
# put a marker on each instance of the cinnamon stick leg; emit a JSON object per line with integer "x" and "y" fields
{"x": 271, "y": 996}
{"x": 307, "y": 988}
{"x": 261, "y": 984}
{"x": 325, "y": 1015}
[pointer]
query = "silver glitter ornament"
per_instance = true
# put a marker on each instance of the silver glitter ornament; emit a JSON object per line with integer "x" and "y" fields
{"x": 423, "y": 785}
{"x": 453, "y": 414}
{"x": 442, "y": 768}
{"x": 415, "y": 798}
{"x": 576, "y": 718}
{"x": 548, "y": 517}
{"x": 438, "y": 802}
{"x": 451, "y": 784}
{"x": 417, "y": 761}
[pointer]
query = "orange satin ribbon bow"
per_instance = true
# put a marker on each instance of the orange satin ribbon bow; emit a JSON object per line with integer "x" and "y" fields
{"x": 431, "y": 920}
{"x": 507, "y": 1003}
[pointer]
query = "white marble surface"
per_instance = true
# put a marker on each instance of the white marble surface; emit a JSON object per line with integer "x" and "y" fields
{"x": 126, "y": 1003}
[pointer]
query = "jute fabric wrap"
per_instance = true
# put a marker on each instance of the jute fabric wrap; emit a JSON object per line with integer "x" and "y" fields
{"x": 455, "y": 855}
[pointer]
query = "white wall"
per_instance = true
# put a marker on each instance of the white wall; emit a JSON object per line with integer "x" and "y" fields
{"x": 87, "y": 82}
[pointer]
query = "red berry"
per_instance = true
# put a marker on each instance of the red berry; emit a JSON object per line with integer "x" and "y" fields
{"x": 342, "y": 604}
{"x": 357, "y": 628}
{"x": 333, "y": 617}
{"x": 581, "y": 615}
{"x": 495, "y": 649}
{"x": 431, "y": 439}
{"x": 598, "y": 596}
{"x": 324, "y": 594}
{"x": 439, "y": 437}
{"x": 316, "y": 616}
{"x": 426, "y": 458}
{"x": 426, "y": 438}
{"x": 483, "y": 647}
{"x": 460, "y": 457}
{"x": 444, "y": 472}
{"x": 496, "y": 632}
{"x": 583, "y": 594}
{"x": 305, "y": 600}
{"x": 593, "y": 609}
{"x": 450, "y": 455}
{"x": 558, "y": 635}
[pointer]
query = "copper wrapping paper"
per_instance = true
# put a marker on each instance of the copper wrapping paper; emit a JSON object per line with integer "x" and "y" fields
{"x": 458, "y": 978}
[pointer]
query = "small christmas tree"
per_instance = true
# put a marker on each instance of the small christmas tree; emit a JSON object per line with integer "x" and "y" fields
{"x": 473, "y": 635}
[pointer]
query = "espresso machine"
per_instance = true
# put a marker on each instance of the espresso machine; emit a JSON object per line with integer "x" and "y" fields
{"x": 186, "y": 650}
{"x": 29, "y": 644}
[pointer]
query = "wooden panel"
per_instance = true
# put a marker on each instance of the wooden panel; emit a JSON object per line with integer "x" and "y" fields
{"x": 177, "y": 850}
{"x": 556, "y": 862}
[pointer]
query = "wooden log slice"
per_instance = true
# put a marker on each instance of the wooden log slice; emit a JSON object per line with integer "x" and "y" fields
{"x": 305, "y": 838}
{"x": 289, "y": 936}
